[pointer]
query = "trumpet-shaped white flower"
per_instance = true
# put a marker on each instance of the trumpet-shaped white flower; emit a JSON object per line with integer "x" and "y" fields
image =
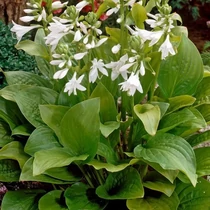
{"x": 119, "y": 67}
{"x": 132, "y": 84}
{"x": 58, "y": 5}
{"x": 61, "y": 73}
{"x": 74, "y": 84}
{"x": 81, "y": 5}
{"x": 27, "y": 19}
{"x": 98, "y": 65}
{"x": 22, "y": 30}
{"x": 166, "y": 48}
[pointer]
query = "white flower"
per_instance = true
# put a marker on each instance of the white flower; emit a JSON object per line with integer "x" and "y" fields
{"x": 81, "y": 5}
{"x": 132, "y": 84}
{"x": 22, "y": 30}
{"x": 60, "y": 74}
{"x": 29, "y": 11}
{"x": 119, "y": 67}
{"x": 114, "y": 9}
{"x": 166, "y": 48}
{"x": 42, "y": 16}
{"x": 80, "y": 56}
{"x": 98, "y": 65}
{"x": 74, "y": 84}
{"x": 142, "y": 69}
{"x": 27, "y": 19}
{"x": 116, "y": 48}
{"x": 58, "y": 5}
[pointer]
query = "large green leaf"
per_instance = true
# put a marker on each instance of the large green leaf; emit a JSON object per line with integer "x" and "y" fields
{"x": 25, "y": 78}
{"x": 52, "y": 116}
{"x": 157, "y": 182}
{"x": 108, "y": 127}
{"x": 29, "y": 100}
{"x": 80, "y": 128}
{"x": 125, "y": 184}
{"x": 80, "y": 196}
{"x": 52, "y": 158}
{"x": 108, "y": 110}
{"x": 203, "y": 161}
{"x": 180, "y": 74}
{"x": 9, "y": 171}
{"x": 33, "y": 48}
{"x": 21, "y": 200}
{"x": 198, "y": 138}
{"x": 149, "y": 115}
{"x": 52, "y": 201}
{"x": 194, "y": 198}
{"x": 42, "y": 138}
{"x": 150, "y": 203}
{"x": 27, "y": 175}
{"x": 170, "y": 152}
{"x": 9, "y": 92}
{"x": 14, "y": 151}
{"x": 204, "y": 109}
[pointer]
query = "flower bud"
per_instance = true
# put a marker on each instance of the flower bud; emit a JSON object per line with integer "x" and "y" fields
{"x": 71, "y": 11}
{"x": 91, "y": 18}
{"x": 166, "y": 9}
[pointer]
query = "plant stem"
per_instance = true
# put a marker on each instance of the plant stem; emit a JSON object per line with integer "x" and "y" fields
{"x": 86, "y": 176}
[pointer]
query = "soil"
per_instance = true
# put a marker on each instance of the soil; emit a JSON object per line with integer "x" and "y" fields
{"x": 198, "y": 31}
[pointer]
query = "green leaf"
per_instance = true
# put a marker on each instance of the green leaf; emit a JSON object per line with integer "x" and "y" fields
{"x": 14, "y": 151}
{"x": 139, "y": 15}
{"x": 204, "y": 109}
{"x": 33, "y": 48}
{"x": 179, "y": 102}
{"x": 25, "y": 78}
{"x": 80, "y": 128}
{"x": 21, "y": 200}
{"x": 27, "y": 175}
{"x": 174, "y": 119}
{"x": 42, "y": 138}
{"x": 108, "y": 127}
{"x": 80, "y": 196}
{"x": 108, "y": 110}
{"x": 196, "y": 139}
{"x": 162, "y": 106}
{"x": 111, "y": 167}
{"x": 29, "y": 100}
{"x": 171, "y": 153}
{"x": 203, "y": 161}
{"x": 23, "y": 130}
{"x": 5, "y": 134}
{"x": 52, "y": 116}
{"x": 9, "y": 171}
{"x": 149, "y": 115}
{"x": 180, "y": 74}
{"x": 190, "y": 127}
{"x": 194, "y": 198}
{"x": 150, "y": 5}
{"x": 52, "y": 201}
{"x": 157, "y": 182}
{"x": 125, "y": 184}
{"x": 9, "y": 92}
{"x": 52, "y": 158}
{"x": 150, "y": 203}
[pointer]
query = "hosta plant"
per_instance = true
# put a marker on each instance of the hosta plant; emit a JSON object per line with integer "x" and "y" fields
{"x": 114, "y": 118}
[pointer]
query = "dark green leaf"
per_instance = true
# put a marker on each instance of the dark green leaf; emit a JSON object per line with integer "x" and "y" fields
{"x": 196, "y": 139}
{"x": 80, "y": 196}
{"x": 52, "y": 201}
{"x": 21, "y": 200}
{"x": 125, "y": 184}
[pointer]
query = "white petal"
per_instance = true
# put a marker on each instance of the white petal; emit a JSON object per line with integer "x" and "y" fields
{"x": 27, "y": 18}
{"x": 81, "y": 5}
{"x": 116, "y": 48}
{"x": 56, "y": 62}
{"x": 79, "y": 56}
{"x": 60, "y": 74}
{"x": 142, "y": 69}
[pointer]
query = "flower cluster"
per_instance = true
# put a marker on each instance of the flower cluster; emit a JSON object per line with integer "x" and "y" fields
{"x": 76, "y": 39}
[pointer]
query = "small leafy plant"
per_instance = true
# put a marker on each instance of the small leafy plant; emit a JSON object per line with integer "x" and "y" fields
{"x": 115, "y": 117}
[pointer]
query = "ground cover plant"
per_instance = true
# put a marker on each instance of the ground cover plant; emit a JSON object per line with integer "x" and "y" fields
{"x": 115, "y": 117}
